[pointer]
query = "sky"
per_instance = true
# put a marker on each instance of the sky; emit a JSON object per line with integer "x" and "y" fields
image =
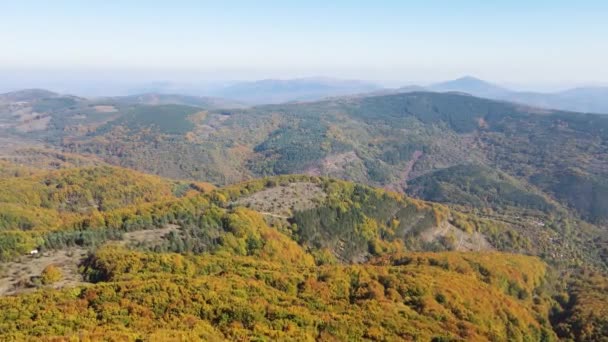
{"x": 399, "y": 42}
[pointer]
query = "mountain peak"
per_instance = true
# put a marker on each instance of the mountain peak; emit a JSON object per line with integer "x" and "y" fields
{"x": 470, "y": 85}
{"x": 469, "y": 78}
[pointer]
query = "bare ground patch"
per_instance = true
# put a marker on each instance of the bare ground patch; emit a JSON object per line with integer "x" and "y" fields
{"x": 105, "y": 109}
{"x": 346, "y": 165}
{"x": 338, "y": 162}
{"x": 19, "y": 276}
{"x": 461, "y": 240}
{"x": 149, "y": 236}
{"x": 36, "y": 123}
{"x": 281, "y": 201}
{"x": 401, "y": 185}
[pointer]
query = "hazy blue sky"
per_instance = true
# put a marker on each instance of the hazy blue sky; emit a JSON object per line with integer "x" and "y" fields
{"x": 406, "y": 41}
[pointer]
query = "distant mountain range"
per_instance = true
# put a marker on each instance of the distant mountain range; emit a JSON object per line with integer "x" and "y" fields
{"x": 271, "y": 91}
{"x": 274, "y": 91}
{"x": 588, "y": 99}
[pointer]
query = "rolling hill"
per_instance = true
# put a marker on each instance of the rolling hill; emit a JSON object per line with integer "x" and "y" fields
{"x": 386, "y": 140}
{"x": 288, "y": 257}
{"x": 142, "y": 295}
{"x": 380, "y": 140}
{"x": 504, "y": 160}
{"x": 176, "y": 99}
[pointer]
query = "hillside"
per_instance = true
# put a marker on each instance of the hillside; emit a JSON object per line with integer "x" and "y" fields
{"x": 303, "y": 171}
{"x": 550, "y": 163}
{"x": 152, "y": 99}
{"x": 382, "y": 140}
{"x": 477, "y": 186}
{"x": 26, "y": 95}
{"x": 39, "y": 206}
{"x": 343, "y": 221}
{"x": 43, "y": 115}
{"x": 335, "y": 220}
{"x": 150, "y": 236}
{"x": 360, "y": 221}
{"x": 170, "y": 296}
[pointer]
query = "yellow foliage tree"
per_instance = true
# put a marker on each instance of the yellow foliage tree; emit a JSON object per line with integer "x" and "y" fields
{"x": 51, "y": 274}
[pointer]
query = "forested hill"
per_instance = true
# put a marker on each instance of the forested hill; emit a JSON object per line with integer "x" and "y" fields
{"x": 545, "y": 160}
{"x": 388, "y": 141}
{"x": 134, "y": 256}
{"x": 454, "y": 148}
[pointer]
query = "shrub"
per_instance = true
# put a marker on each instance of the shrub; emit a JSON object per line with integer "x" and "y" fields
{"x": 51, "y": 274}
